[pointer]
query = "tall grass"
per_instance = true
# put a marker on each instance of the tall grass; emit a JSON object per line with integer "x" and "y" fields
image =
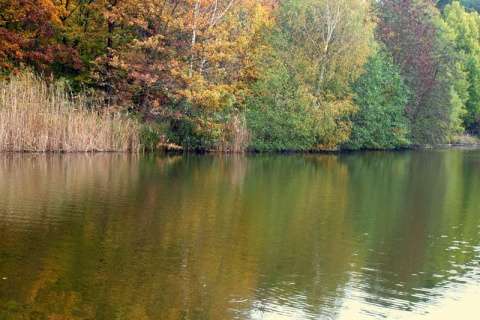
{"x": 38, "y": 117}
{"x": 234, "y": 136}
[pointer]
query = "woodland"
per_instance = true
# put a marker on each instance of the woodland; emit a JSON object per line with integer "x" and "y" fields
{"x": 238, "y": 75}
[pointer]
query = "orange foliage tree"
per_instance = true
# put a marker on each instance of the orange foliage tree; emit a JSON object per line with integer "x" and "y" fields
{"x": 196, "y": 52}
{"x": 27, "y": 36}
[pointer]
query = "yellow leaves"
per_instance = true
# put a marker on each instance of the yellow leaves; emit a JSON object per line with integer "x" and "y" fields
{"x": 332, "y": 124}
{"x": 202, "y": 52}
{"x": 60, "y": 11}
{"x": 331, "y": 41}
{"x": 208, "y": 96}
{"x": 207, "y": 128}
{"x": 224, "y": 40}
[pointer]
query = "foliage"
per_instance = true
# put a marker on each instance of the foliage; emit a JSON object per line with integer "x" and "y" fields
{"x": 332, "y": 40}
{"x": 463, "y": 139}
{"x": 420, "y": 46}
{"x": 450, "y": 94}
{"x": 196, "y": 132}
{"x": 228, "y": 75}
{"x": 469, "y": 5}
{"x": 408, "y": 32}
{"x": 27, "y": 36}
{"x": 284, "y": 116}
{"x": 197, "y": 52}
{"x": 465, "y": 28}
{"x": 277, "y": 114}
{"x": 381, "y": 95}
{"x": 151, "y": 136}
{"x": 302, "y": 100}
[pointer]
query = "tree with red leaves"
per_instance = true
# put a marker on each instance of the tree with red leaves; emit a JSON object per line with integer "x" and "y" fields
{"x": 408, "y": 31}
{"x": 27, "y": 37}
{"x": 411, "y": 32}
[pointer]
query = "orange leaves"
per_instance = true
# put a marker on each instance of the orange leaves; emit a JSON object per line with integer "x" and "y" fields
{"x": 224, "y": 43}
{"x": 27, "y": 34}
{"x": 198, "y": 51}
{"x": 201, "y": 54}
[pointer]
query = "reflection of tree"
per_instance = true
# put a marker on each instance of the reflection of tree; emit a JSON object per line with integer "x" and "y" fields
{"x": 133, "y": 237}
{"x": 149, "y": 238}
{"x": 412, "y": 206}
{"x": 121, "y": 247}
{"x": 305, "y": 249}
{"x": 48, "y": 200}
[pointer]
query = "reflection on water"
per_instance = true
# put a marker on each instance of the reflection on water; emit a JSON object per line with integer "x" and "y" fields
{"x": 348, "y": 236}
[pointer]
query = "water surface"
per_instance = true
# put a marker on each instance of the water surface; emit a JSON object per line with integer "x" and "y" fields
{"x": 348, "y": 236}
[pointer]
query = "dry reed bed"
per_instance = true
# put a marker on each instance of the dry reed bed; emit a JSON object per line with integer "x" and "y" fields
{"x": 37, "y": 117}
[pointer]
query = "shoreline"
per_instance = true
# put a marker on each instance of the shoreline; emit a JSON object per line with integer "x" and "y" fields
{"x": 213, "y": 152}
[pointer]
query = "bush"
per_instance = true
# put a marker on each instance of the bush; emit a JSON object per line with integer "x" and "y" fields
{"x": 380, "y": 122}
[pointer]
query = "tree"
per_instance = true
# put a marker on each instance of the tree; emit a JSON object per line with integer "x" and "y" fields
{"x": 319, "y": 48}
{"x": 186, "y": 63}
{"x": 469, "y": 5}
{"x": 381, "y": 95}
{"x": 447, "y": 99}
{"x": 331, "y": 40}
{"x": 177, "y": 45}
{"x": 225, "y": 41}
{"x": 280, "y": 114}
{"x": 465, "y": 29}
{"x": 410, "y": 32}
{"x": 27, "y": 36}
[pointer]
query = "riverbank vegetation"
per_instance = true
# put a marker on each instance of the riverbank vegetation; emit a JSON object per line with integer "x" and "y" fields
{"x": 36, "y": 117}
{"x": 235, "y": 75}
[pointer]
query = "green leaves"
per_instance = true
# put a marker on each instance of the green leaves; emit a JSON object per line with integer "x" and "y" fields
{"x": 381, "y": 96}
{"x": 278, "y": 115}
{"x": 466, "y": 38}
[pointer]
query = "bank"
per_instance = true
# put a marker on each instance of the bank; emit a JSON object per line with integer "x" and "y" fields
{"x": 36, "y": 116}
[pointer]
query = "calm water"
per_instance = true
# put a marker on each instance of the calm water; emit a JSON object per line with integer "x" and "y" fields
{"x": 350, "y": 236}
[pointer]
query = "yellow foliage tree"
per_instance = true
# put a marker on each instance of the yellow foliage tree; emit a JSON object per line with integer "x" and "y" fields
{"x": 225, "y": 40}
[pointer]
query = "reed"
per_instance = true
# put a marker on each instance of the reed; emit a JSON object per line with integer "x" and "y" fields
{"x": 40, "y": 117}
{"x": 234, "y": 135}
{"x": 463, "y": 139}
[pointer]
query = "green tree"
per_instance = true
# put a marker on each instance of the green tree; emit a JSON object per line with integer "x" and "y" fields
{"x": 469, "y": 5}
{"x": 303, "y": 96}
{"x": 278, "y": 114}
{"x": 330, "y": 40}
{"x": 466, "y": 39}
{"x": 449, "y": 95}
{"x": 381, "y": 95}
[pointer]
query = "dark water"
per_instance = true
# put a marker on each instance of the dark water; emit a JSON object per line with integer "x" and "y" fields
{"x": 349, "y": 236}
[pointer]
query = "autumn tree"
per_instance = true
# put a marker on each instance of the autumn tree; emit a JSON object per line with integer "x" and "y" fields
{"x": 27, "y": 36}
{"x": 225, "y": 40}
{"x": 185, "y": 62}
{"x": 86, "y": 27}
{"x": 410, "y": 33}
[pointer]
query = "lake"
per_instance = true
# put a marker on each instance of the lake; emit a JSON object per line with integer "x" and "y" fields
{"x": 364, "y": 235}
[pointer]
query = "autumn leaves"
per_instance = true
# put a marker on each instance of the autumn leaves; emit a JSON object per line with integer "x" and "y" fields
{"x": 295, "y": 71}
